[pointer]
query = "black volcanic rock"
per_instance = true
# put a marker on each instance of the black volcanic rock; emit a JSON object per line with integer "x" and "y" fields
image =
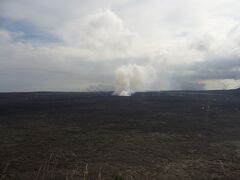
{"x": 55, "y": 132}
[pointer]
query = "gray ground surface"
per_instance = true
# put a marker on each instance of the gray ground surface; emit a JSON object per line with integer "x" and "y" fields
{"x": 166, "y": 135}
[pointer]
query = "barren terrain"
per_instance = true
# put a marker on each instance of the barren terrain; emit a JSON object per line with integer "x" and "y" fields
{"x": 152, "y": 135}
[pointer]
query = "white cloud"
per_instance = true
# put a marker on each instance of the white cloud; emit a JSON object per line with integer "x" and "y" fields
{"x": 191, "y": 43}
{"x": 102, "y": 35}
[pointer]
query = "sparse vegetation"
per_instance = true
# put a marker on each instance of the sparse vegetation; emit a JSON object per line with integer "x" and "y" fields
{"x": 92, "y": 136}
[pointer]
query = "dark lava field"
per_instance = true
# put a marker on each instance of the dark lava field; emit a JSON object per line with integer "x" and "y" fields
{"x": 153, "y": 135}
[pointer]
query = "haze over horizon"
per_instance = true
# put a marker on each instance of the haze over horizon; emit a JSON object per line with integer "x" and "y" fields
{"x": 121, "y": 45}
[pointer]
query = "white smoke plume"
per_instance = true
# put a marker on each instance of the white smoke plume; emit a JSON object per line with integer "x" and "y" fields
{"x": 131, "y": 78}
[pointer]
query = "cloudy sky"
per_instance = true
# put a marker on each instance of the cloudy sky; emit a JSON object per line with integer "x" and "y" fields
{"x": 78, "y": 45}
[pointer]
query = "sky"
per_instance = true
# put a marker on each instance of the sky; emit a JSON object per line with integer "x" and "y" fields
{"x": 82, "y": 45}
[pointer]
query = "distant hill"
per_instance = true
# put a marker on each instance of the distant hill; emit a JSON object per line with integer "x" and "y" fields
{"x": 238, "y": 89}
